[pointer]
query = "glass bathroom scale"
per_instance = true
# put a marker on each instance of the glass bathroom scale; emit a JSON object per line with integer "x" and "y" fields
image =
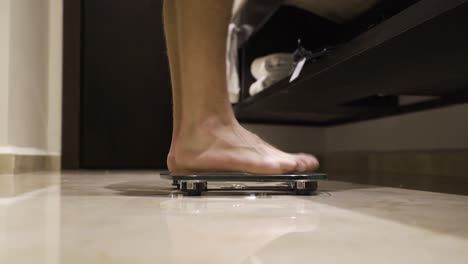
{"x": 196, "y": 183}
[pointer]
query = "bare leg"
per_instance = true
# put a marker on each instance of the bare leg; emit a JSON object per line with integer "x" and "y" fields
{"x": 170, "y": 27}
{"x": 207, "y": 137}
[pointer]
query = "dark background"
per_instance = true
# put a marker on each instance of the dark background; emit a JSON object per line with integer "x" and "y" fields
{"x": 126, "y": 117}
{"x": 117, "y": 97}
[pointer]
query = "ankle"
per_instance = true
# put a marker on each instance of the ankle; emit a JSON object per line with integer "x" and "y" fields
{"x": 217, "y": 122}
{"x": 206, "y": 125}
{"x": 197, "y": 137}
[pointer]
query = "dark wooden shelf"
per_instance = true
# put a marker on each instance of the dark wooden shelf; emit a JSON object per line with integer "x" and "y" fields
{"x": 422, "y": 50}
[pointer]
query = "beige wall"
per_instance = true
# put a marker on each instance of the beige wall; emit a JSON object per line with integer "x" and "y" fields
{"x": 31, "y": 79}
{"x": 443, "y": 128}
{"x": 28, "y": 73}
{"x": 54, "y": 127}
{"x": 4, "y": 69}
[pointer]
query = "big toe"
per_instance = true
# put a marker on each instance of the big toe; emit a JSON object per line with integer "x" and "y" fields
{"x": 302, "y": 163}
{"x": 288, "y": 165}
{"x": 311, "y": 161}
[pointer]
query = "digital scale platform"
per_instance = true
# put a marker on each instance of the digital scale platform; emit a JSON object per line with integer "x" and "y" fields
{"x": 196, "y": 183}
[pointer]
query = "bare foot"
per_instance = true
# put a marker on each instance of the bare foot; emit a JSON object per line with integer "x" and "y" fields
{"x": 214, "y": 146}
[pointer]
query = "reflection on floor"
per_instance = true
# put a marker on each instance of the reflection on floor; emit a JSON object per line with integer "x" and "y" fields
{"x": 134, "y": 217}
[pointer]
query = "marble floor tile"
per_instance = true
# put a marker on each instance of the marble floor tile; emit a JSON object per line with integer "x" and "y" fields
{"x": 135, "y": 217}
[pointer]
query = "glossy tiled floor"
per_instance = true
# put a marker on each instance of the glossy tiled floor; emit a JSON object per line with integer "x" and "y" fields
{"x": 136, "y": 218}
